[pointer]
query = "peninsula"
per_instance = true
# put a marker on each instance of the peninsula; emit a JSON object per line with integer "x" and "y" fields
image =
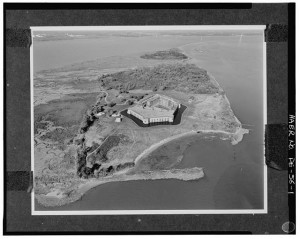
{"x": 117, "y": 131}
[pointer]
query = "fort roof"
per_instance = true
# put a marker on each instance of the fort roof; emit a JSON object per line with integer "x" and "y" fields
{"x": 152, "y": 112}
{"x": 152, "y": 97}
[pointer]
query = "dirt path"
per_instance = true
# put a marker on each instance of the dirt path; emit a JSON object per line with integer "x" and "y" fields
{"x": 160, "y": 143}
{"x": 112, "y": 133}
{"x": 106, "y": 94}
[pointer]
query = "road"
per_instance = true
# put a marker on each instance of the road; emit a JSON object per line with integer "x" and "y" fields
{"x": 106, "y": 94}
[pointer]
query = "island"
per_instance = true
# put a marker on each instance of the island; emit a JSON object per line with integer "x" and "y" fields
{"x": 128, "y": 124}
{"x": 171, "y": 54}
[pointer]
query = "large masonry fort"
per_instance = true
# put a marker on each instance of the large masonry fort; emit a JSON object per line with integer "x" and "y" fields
{"x": 156, "y": 108}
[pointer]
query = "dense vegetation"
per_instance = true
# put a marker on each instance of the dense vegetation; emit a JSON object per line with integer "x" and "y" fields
{"x": 64, "y": 112}
{"x": 181, "y": 77}
{"x": 172, "y": 54}
{"x": 62, "y": 136}
{"x": 98, "y": 157}
{"x": 39, "y": 125}
{"x": 100, "y": 154}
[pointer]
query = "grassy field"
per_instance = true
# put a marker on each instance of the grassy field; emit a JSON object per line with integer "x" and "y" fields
{"x": 67, "y": 111}
{"x": 56, "y": 125}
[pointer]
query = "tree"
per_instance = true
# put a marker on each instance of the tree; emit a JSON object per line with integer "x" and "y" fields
{"x": 163, "y": 87}
{"x": 129, "y": 102}
{"x": 110, "y": 112}
{"x": 111, "y": 104}
{"x": 139, "y": 97}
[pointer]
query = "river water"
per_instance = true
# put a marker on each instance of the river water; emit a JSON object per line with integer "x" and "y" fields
{"x": 233, "y": 174}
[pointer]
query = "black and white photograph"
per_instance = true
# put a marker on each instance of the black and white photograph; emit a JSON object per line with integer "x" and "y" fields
{"x": 148, "y": 120}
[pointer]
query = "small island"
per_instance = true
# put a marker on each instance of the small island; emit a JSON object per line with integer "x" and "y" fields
{"x": 83, "y": 140}
{"x": 172, "y": 54}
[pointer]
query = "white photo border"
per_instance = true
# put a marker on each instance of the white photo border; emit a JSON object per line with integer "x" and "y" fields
{"x": 149, "y": 28}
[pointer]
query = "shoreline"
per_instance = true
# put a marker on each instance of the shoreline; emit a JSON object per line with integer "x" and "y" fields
{"x": 234, "y": 137}
{"x": 56, "y": 198}
{"x": 187, "y": 174}
{"x": 153, "y": 147}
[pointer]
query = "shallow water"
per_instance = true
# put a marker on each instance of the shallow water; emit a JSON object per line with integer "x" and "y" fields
{"x": 53, "y": 54}
{"x": 233, "y": 174}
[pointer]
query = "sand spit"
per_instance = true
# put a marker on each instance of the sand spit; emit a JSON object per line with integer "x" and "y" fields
{"x": 57, "y": 199}
{"x": 234, "y": 137}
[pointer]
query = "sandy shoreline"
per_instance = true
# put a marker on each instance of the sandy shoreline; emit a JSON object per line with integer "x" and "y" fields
{"x": 180, "y": 174}
{"x": 57, "y": 199}
{"x": 161, "y": 143}
{"x": 234, "y": 137}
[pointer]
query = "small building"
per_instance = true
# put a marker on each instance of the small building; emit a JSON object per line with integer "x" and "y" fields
{"x": 118, "y": 119}
{"x": 191, "y": 99}
{"x": 116, "y": 114}
{"x": 100, "y": 114}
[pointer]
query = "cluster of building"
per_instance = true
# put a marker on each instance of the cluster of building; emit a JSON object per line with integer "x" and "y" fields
{"x": 156, "y": 108}
{"x": 118, "y": 116}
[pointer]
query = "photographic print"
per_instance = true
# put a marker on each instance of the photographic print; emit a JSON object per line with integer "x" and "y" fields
{"x": 148, "y": 120}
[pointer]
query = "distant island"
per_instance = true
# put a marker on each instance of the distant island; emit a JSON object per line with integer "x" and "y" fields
{"x": 172, "y": 54}
{"x": 82, "y": 140}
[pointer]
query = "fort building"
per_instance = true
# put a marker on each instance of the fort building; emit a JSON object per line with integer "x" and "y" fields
{"x": 155, "y": 108}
